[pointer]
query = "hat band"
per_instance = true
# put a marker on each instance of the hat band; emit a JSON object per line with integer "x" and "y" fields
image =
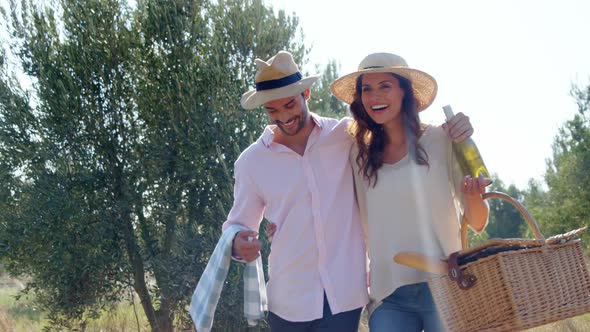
{"x": 278, "y": 83}
{"x": 374, "y": 67}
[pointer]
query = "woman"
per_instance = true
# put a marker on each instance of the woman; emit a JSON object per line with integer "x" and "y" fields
{"x": 410, "y": 189}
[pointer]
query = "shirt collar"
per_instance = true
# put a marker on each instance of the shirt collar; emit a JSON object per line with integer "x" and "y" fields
{"x": 268, "y": 134}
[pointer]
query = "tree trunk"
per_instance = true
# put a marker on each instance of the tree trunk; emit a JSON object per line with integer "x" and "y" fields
{"x": 165, "y": 316}
{"x": 133, "y": 252}
{"x": 139, "y": 283}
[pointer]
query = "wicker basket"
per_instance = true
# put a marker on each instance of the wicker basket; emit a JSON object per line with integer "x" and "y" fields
{"x": 519, "y": 289}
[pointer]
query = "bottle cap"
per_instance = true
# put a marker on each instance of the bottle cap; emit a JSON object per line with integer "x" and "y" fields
{"x": 448, "y": 111}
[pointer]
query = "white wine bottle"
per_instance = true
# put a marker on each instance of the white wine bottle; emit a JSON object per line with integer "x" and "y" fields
{"x": 467, "y": 153}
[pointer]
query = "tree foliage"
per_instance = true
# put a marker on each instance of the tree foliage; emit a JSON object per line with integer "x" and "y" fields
{"x": 505, "y": 220}
{"x": 322, "y": 101}
{"x": 116, "y": 167}
{"x": 566, "y": 204}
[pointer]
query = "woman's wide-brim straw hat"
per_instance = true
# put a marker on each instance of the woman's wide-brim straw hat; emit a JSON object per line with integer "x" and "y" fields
{"x": 423, "y": 84}
{"x": 277, "y": 78}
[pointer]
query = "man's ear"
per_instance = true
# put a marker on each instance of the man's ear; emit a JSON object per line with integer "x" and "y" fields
{"x": 306, "y": 93}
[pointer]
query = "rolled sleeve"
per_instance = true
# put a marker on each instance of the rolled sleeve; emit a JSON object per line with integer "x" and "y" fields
{"x": 248, "y": 206}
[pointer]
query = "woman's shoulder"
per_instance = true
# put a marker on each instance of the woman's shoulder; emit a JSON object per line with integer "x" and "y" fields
{"x": 432, "y": 134}
{"x": 353, "y": 154}
{"x": 436, "y": 142}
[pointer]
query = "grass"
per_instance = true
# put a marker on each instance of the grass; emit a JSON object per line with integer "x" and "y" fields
{"x": 18, "y": 315}
{"x": 575, "y": 324}
{"x": 22, "y": 316}
{"x": 120, "y": 319}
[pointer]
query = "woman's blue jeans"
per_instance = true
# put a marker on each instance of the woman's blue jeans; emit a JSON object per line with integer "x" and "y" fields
{"x": 409, "y": 308}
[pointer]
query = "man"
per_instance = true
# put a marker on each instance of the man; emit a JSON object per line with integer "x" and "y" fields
{"x": 297, "y": 175}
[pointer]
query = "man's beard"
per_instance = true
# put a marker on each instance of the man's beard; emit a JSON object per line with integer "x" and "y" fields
{"x": 300, "y": 126}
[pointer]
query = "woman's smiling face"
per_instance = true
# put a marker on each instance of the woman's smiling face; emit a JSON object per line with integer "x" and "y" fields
{"x": 382, "y": 97}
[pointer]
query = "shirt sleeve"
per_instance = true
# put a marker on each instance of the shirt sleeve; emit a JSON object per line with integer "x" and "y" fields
{"x": 359, "y": 191}
{"x": 248, "y": 206}
{"x": 360, "y": 195}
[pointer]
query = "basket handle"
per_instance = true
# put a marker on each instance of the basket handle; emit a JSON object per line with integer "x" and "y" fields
{"x": 525, "y": 213}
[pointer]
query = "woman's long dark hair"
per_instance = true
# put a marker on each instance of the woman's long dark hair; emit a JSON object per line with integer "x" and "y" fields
{"x": 370, "y": 136}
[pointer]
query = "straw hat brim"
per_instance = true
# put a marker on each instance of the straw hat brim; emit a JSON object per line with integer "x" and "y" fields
{"x": 253, "y": 99}
{"x": 424, "y": 85}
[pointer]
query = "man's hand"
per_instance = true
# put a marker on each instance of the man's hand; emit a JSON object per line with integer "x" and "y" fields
{"x": 271, "y": 229}
{"x": 246, "y": 245}
{"x": 458, "y": 128}
{"x": 474, "y": 187}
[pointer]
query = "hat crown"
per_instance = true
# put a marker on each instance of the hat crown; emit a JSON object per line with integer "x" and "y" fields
{"x": 279, "y": 66}
{"x": 382, "y": 60}
{"x": 278, "y": 77}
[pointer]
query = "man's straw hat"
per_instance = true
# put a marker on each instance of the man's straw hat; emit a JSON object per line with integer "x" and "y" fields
{"x": 277, "y": 78}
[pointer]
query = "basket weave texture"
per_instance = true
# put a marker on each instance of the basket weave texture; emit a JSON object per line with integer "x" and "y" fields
{"x": 516, "y": 290}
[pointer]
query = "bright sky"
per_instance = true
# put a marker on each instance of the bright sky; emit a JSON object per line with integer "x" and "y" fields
{"x": 509, "y": 65}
